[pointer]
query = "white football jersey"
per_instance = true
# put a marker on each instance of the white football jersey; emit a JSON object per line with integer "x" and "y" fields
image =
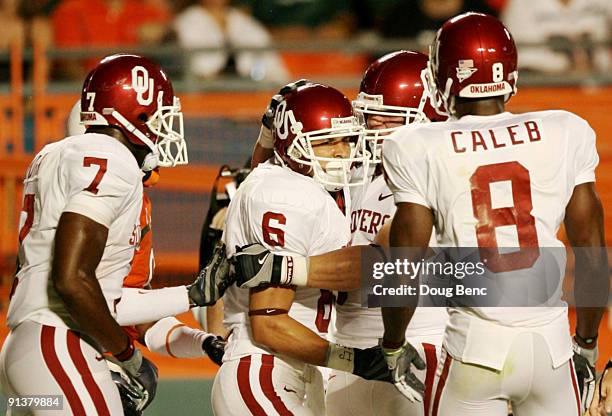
{"x": 356, "y": 326}
{"x": 504, "y": 181}
{"x": 93, "y": 175}
{"x": 287, "y": 213}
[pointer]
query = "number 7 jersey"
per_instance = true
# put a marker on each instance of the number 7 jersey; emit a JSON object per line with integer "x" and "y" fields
{"x": 93, "y": 175}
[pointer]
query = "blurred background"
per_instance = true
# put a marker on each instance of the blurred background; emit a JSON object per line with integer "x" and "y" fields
{"x": 226, "y": 58}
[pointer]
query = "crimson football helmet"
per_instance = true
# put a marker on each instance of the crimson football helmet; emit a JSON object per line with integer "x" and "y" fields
{"x": 472, "y": 56}
{"x": 394, "y": 86}
{"x": 311, "y": 113}
{"x": 135, "y": 95}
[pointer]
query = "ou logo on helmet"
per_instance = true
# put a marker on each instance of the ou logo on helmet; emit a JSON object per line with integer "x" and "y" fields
{"x": 142, "y": 84}
{"x": 285, "y": 120}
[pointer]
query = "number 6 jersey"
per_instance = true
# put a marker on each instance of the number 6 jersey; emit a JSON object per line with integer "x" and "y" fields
{"x": 92, "y": 175}
{"x": 497, "y": 181}
{"x": 286, "y": 212}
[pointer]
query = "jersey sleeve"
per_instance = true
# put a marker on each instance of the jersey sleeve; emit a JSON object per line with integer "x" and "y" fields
{"x": 406, "y": 168}
{"x": 99, "y": 185}
{"x": 586, "y": 155}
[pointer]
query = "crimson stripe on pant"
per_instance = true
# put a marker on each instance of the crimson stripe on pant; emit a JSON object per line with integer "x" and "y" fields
{"x": 441, "y": 382}
{"x": 76, "y": 353}
{"x": 265, "y": 380}
{"x": 244, "y": 386}
{"x": 432, "y": 363}
{"x": 47, "y": 346}
{"x": 575, "y": 385}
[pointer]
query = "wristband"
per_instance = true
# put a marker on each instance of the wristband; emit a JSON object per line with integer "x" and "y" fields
{"x": 590, "y": 354}
{"x": 391, "y": 346}
{"x": 340, "y": 358}
{"x": 265, "y": 139}
{"x": 127, "y": 353}
{"x": 294, "y": 270}
{"x": 587, "y": 341}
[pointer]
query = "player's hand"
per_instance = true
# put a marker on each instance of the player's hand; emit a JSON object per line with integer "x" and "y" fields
{"x": 584, "y": 363}
{"x": 399, "y": 361}
{"x": 214, "y": 346}
{"x": 131, "y": 363}
{"x": 136, "y": 391}
{"x": 213, "y": 280}
{"x": 370, "y": 364}
{"x": 601, "y": 405}
{"x": 255, "y": 265}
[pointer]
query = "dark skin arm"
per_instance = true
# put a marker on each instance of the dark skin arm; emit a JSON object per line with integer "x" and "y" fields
{"x": 584, "y": 226}
{"x": 411, "y": 227}
{"x": 79, "y": 245}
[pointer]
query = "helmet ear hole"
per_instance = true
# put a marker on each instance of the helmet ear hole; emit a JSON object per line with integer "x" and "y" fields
{"x": 142, "y": 117}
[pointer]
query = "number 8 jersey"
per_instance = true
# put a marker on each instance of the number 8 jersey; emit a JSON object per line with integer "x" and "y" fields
{"x": 497, "y": 181}
{"x": 286, "y": 212}
{"x": 92, "y": 175}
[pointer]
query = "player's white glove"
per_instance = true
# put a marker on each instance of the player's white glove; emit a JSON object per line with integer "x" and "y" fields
{"x": 399, "y": 361}
{"x": 255, "y": 265}
{"x": 213, "y": 280}
{"x": 136, "y": 392}
{"x": 584, "y": 361}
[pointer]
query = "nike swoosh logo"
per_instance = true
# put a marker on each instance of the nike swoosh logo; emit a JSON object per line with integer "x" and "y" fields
{"x": 289, "y": 390}
{"x": 381, "y": 197}
{"x": 262, "y": 260}
{"x": 270, "y": 310}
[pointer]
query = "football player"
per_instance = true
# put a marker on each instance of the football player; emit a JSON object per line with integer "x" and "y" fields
{"x": 548, "y": 161}
{"x": 491, "y": 179}
{"x": 79, "y": 228}
{"x": 168, "y": 336}
{"x": 277, "y": 333}
{"x": 392, "y": 94}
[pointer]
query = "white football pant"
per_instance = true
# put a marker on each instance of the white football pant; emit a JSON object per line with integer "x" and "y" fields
{"x": 39, "y": 359}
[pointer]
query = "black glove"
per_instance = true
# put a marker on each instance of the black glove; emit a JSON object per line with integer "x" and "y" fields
{"x": 268, "y": 116}
{"x": 370, "y": 364}
{"x": 136, "y": 391}
{"x": 214, "y": 348}
{"x": 584, "y": 363}
{"x": 213, "y": 280}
